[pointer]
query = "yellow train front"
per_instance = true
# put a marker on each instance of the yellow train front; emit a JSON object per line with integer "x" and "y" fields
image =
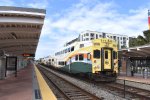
{"x": 104, "y": 60}
{"x": 98, "y": 60}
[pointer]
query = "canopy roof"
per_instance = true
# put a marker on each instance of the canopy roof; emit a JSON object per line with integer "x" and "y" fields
{"x": 20, "y": 29}
{"x": 138, "y": 51}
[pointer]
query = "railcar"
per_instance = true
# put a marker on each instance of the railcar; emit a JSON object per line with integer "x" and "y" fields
{"x": 96, "y": 58}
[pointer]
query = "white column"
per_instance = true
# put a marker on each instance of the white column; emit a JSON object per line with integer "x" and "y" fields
{"x": 2, "y": 68}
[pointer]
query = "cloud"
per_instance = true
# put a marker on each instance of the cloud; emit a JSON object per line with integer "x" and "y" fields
{"x": 24, "y": 3}
{"x": 47, "y": 29}
{"x": 102, "y": 17}
{"x": 39, "y": 4}
{"x": 7, "y": 3}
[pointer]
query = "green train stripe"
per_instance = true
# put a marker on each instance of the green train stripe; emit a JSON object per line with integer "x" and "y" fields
{"x": 78, "y": 67}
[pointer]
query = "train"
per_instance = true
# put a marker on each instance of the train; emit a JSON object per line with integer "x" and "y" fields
{"x": 96, "y": 58}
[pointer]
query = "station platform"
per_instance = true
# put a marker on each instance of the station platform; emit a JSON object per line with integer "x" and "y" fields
{"x": 24, "y": 86}
{"x": 17, "y": 88}
{"x": 135, "y": 79}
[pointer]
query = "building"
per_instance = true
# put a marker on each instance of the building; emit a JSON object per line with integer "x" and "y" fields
{"x": 123, "y": 40}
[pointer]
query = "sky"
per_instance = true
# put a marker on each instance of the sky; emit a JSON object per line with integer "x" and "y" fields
{"x": 65, "y": 19}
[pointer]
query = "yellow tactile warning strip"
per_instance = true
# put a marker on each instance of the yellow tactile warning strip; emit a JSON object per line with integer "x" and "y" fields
{"x": 46, "y": 92}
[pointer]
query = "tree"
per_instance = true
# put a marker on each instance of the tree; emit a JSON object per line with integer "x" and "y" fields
{"x": 147, "y": 35}
{"x": 123, "y": 47}
{"x": 132, "y": 42}
{"x": 140, "y": 40}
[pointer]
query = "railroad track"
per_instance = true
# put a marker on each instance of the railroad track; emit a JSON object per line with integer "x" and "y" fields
{"x": 127, "y": 91}
{"x": 67, "y": 90}
{"x": 118, "y": 89}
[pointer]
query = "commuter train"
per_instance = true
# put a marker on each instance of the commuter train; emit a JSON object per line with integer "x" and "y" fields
{"x": 96, "y": 58}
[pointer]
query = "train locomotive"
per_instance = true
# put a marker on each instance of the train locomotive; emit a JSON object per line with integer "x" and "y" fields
{"x": 96, "y": 58}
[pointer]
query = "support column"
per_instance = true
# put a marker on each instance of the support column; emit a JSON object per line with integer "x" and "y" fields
{"x": 2, "y": 68}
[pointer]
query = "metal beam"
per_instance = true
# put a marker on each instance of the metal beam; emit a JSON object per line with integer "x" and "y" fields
{"x": 18, "y": 41}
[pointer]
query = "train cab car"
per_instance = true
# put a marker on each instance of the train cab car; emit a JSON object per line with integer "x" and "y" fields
{"x": 105, "y": 61}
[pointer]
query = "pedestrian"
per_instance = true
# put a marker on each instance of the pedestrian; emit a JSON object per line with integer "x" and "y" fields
{"x": 132, "y": 69}
{"x": 143, "y": 72}
{"x": 132, "y": 72}
{"x": 119, "y": 66}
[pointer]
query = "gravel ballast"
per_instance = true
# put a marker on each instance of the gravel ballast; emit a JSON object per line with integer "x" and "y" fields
{"x": 89, "y": 87}
{"x": 134, "y": 84}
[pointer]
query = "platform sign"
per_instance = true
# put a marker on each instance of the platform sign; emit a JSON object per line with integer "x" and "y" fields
{"x": 28, "y": 55}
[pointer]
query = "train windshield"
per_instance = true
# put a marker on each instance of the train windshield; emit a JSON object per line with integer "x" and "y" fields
{"x": 96, "y": 54}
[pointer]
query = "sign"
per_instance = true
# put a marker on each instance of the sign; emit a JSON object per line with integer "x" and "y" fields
{"x": 28, "y": 55}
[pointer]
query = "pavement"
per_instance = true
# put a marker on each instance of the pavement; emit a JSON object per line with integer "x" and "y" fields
{"x": 17, "y": 88}
{"x": 135, "y": 78}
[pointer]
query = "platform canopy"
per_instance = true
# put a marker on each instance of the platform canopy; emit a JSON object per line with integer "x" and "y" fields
{"x": 139, "y": 51}
{"x": 20, "y": 29}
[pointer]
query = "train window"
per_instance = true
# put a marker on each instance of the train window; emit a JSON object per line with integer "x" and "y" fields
{"x": 81, "y": 45}
{"x": 96, "y": 53}
{"x": 76, "y": 57}
{"x": 88, "y": 56}
{"x": 61, "y": 63}
{"x": 114, "y": 55}
{"x": 65, "y": 50}
{"x": 81, "y": 57}
{"x": 106, "y": 54}
{"x": 72, "y": 48}
{"x": 68, "y": 49}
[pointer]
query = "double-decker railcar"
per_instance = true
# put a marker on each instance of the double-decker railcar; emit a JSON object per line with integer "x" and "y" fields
{"x": 96, "y": 58}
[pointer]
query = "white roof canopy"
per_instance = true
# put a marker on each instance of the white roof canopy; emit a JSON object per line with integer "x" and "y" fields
{"x": 20, "y": 31}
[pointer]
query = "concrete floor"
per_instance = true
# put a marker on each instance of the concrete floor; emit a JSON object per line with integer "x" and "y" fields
{"x": 17, "y": 88}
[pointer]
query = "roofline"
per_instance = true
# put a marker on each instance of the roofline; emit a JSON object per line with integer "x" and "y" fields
{"x": 12, "y": 8}
{"x": 142, "y": 46}
{"x": 105, "y": 32}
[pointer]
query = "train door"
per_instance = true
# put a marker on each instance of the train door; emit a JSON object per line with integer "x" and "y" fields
{"x": 107, "y": 59}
